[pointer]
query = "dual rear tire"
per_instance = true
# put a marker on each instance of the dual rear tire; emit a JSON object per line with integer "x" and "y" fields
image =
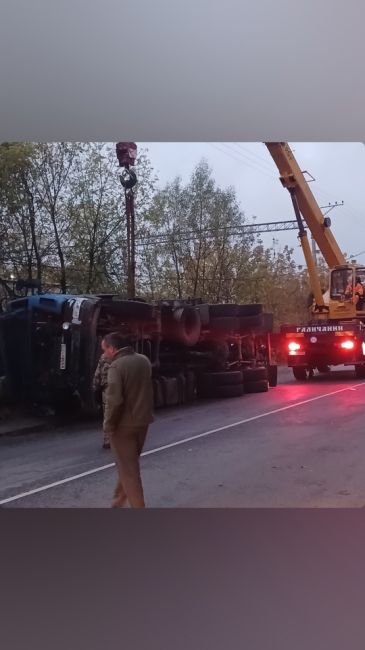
{"x": 221, "y": 384}
{"x": 234, "y": 383}
{"x": 256, "y": 380}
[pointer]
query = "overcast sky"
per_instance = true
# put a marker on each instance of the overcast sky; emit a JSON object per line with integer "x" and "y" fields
{"x": 338, "y": 169}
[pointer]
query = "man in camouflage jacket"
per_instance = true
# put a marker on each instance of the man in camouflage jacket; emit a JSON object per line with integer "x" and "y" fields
{"x": 99, "y": 387}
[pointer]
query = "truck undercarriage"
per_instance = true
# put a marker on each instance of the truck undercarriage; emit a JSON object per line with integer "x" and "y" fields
{"x": 51, "y": 343}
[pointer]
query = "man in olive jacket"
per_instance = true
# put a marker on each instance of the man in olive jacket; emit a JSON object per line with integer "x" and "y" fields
{"x": 128, "y": 414}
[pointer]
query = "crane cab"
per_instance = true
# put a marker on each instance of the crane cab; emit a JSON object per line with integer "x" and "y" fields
{"x": 347, "y": 289}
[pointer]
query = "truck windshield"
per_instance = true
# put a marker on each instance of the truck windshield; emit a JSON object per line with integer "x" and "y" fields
{"x": 360, "y": 274}
{"x": 342, "y": 284}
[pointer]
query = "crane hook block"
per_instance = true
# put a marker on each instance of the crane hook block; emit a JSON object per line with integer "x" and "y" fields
{"x": 128, "y": 179}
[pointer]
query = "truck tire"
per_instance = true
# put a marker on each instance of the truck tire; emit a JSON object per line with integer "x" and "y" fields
{"x": 250, "y": 310}
{"x": 181, "y": 325}
{"x": 181, "y": 385}
{"x": 360, "y": 371}
{"x": 191, "y": 386}
{"x": 254, "y": 374}
{"x": 324, "y": 369}
{"x": 228, "y": 378}
{"x": 170, "y": 390}
{"x": 203, "y": 311}
{"x": 260, "y": 386}
{"x": 272, "y": 372}
{"x": 157, "y": 393}
{"x": 227, "y": 391}
{"x": 223, "y": 310}
{"x": 251, "y": 322}
{"x": 225, "y": 324}
{"x": 300, "y": 373}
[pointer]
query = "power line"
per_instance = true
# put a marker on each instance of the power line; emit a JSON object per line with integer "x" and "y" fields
{"x": 251, "y": 163}
{"x": 239, "y": 158}
{"x": 260, "y": 159}
{"x": 260, "y": 162}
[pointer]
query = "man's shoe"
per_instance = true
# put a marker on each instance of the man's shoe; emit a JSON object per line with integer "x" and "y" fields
{"x": 106, "y": 445}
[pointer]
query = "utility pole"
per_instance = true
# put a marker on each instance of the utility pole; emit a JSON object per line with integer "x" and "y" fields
{"x": 314, "y": 251}
{"x": 126, "y": 154}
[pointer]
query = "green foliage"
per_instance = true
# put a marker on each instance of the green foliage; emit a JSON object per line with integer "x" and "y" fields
{"x": 62, "y": 220}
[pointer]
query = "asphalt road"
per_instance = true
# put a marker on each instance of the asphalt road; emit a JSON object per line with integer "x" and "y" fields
{"x": 300, "y": 445}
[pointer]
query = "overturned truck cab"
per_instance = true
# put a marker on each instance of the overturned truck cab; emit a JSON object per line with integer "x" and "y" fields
{"x": 50, "y": 345}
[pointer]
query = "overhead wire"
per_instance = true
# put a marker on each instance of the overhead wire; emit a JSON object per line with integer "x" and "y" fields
{"x": 238, "y": 156}
{"x": 260, "y": 159}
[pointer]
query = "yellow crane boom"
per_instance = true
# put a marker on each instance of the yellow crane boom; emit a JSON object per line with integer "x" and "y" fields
{"x": 293, "y": 179}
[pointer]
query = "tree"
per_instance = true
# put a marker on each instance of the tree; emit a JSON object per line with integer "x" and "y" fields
{"x": 91, "y": 210}
{"x": 197, "y": 227}
{"x": 19, "y": 217}
{"x": 52, "y": 169}
{"x": 62, "y": 220}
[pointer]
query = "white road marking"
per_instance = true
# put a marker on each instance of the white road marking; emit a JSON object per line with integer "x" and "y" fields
{"x": 56, "y": 483}
{"x": 180, "y": 442}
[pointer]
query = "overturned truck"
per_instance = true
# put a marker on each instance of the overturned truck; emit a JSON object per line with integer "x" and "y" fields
{"x": 50, "y": 345}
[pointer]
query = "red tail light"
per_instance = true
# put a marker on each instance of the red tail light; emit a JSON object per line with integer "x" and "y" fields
{"x": 348, "y": 345}
{"x": 293, "y": 346}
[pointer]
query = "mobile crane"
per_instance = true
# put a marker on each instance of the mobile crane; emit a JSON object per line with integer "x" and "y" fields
{"x": 335, "y": 333}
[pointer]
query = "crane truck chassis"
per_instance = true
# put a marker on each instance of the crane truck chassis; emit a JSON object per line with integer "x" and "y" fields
{"x": 334, "y": 334}
{"x": 317, "y": 346}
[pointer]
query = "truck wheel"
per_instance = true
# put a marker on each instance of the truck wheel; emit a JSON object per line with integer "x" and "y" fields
{"x": 255, "y": 374}
{"x": 191, "y": 387}
{"x": 251, "y": 322}
{"x": 223, "y": 310}
{"x": 227, "y": 391}
{"x": 170, "y": 390}
{"x": 157, "y": 393}
{"x": 181, "y": 325}
{"x": 250, "y": 310}
{"x": 225, "y": 323}
{"x": 228, "y": 378}
{"x": 300, "y": 373}
{"x": 272, "y": 372}
{"x": 324, "y": 369}
{"x": 203, "y": 311}
{"x": 360, "y": 371}
{"x": 188, "y": 325}
{"x": 261, "y": 386}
